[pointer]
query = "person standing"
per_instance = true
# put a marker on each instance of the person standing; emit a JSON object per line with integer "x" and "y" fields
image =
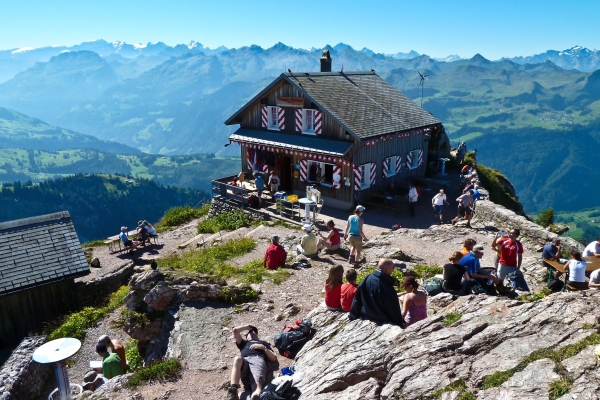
{"x": 511, "y": 255}
{"x": 273, "y": 183}
{"x": 260, "y": 186}
{"x": 376, "y": 299}
{"x": 413, "y": 196}
{"x": 464, "y": 209}
{"x": 354, "y": 234}
{"x": 437, "y": 203}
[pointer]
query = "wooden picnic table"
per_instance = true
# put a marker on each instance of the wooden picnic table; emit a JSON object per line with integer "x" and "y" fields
{"x": 591, "y": 264}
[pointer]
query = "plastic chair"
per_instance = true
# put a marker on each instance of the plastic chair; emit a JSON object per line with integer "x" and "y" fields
{"x": 317, "y": 210}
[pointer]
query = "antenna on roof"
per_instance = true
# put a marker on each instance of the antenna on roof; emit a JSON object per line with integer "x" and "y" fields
{"x": 292, "y": 74}
{"x": 422, "y": 84}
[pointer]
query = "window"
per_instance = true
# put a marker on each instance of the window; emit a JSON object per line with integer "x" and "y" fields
{"x": 365, "y": 175}
{"x": 320, "y": 172}
{"x": 273, "y": 123}
{"x": 309, "y": 117}
{"x": 414, "y": 159}
{"x": 391, "y": 166}
{"x": 308, "y": 121}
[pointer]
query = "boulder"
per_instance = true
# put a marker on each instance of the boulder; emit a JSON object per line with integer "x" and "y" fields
{"x": 159, "y": 298}
{"x": 492, "y": 335}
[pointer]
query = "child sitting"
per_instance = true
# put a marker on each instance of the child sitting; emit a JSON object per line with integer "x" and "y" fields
{"x": 349, "y": 290}
{"x": 333, "y": 288}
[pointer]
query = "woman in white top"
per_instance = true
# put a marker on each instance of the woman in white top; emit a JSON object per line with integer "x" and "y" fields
{"x": 576, "y": 268}
{"x": 438, "y": 205}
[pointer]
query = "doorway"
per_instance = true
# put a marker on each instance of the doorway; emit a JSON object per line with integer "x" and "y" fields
{"x": 284, "y": 164}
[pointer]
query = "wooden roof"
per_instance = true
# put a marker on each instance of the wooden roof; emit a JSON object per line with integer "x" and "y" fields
{"x": 362, "y": 102}
{"x": 39, "y": 250}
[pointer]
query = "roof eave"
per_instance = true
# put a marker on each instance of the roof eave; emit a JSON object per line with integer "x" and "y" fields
{"x": 46, "y": 282}
{"x": 230, "y": 120}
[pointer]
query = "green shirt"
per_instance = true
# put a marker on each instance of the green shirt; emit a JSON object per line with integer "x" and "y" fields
{"x": 112, "y": 366}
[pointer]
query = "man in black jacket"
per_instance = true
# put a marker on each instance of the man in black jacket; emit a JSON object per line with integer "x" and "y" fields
{"x": 376, "y": 298}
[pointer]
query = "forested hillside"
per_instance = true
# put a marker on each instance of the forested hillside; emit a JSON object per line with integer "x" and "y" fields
{"x": 98, "y": 204}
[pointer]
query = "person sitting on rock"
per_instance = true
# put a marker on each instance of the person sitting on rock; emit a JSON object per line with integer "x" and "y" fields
{"x": 576, "y": 271}
{"x": 114, "y": 346}
{"x": 349, "y": 289}
{"x": 476, "y": 274}
{"x": 414, "y": 302}
{"x": 468, "y": 246}
{"x": 111, "y": 367}
{"x": 333, "y": 288}
{"x": 308, "y": 244}
{"x": 592, "y": 249}
{"x": 332, "y": 241}
{"x": 456, "y": 278}
{"x": 594, "y": 282}
{"x": 251, "y": 365}
{"x": 275, "y": 255}
{"x": 552, "y": 250}
{"x": 125, "y": 239}
{"x": 376, "y": 299}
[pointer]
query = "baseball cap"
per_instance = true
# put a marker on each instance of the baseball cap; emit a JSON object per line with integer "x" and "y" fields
{"x": 102, "y": 340}
{"x": 360, "y": 209}
{"x": 307, "y": 228}
{"x": 123, "y": 228}
{"x": 479, "y": 248}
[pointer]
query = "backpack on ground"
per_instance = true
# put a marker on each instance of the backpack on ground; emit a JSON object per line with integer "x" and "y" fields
{"x": 434, "y": 286}
{"x": 253, "y": 201}
{"x": 291, "y": 339}
{"x": 285, "y": 391}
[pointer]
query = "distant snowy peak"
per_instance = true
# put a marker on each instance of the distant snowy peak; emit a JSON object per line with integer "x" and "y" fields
{"x": 450, "y": 58}
{"x": 405, "y": 56}
{"x": 577, "y": 57}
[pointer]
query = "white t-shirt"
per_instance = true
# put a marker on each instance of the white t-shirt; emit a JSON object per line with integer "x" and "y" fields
{"x": 595, "y": 277}
{"x": 591, "y": 248}
{"x": 439, "y": 199}
{"x": 413, "y": 195}
{"x": 577, "y": 271}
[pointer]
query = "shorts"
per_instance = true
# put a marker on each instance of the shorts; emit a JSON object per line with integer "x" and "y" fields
{"x": 325, "y": 244}
{"x": 274, "y": 188}
{"x": 254, "y": 370}
{"x": 259, "y": 192}
{"x": 438, "y": 210}
{"x": 464, "y": 211}
{"x": 356, "y": 242}
{"x": 128, "y": 243}
{"x": 504, "y": 270}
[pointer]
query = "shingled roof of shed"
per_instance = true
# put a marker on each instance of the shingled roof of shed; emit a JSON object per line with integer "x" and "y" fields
{"x": 362, "y": 102}
{"x": 39, "y": 250}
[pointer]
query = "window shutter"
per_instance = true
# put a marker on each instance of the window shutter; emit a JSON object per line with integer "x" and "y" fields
{"x": 318, "y": 121}
{"x": 398, "y": 164}
{"x": 264, "y": 116}
{"x": 386, "y": 167}
{"x": 337, "y": 170}
{"x": 373, "y": 173}
{"x": 357, "y": 178}
{"x": 281, "y": 118}
{"x": 250, "y": 158}
{"x": 299, "y": 119}
{"x": 265, "y": 168}
{"x": 408, "y": 160}
{"x": 421, "y": 157}
{"x": 303, "y": 170}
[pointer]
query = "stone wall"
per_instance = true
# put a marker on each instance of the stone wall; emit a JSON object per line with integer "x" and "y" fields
{"x": 20, "y": 376}
{"x": 218, "y": 207}
{"x": 503, "y": 218}
{"x": 88, "y": 293}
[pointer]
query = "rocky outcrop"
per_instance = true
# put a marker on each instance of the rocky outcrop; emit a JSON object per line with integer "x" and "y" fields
{"x": 89, "y": 292}
{"x": 495, "y": 215}
{"x": 498, "y": 348}
{"x": 20, "y": 376}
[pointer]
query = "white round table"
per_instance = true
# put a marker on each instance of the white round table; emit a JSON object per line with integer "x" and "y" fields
{"x": 307, "y": 203}
{"x": 56, "y": 352}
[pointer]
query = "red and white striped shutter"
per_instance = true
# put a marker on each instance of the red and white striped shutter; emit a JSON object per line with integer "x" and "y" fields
{"x": 318, "y": 122}
{"x": 357, "y": 178}
{"x": 281, "y": 118}
{"x": 250, "y": 159}
{"x": 265, "y": 168}
{"x": 408, "y": 160}
{"x": 303, "y": 170}
{"x": 398, "y": 164}
{"x": 386, "y": 167}
{"x": 337, "y": 170}
{"x": 373, "y": 173}
{"x": 299, "y": 115}
{"x": 421, "y": 157}
{"x": 264, "y": 116}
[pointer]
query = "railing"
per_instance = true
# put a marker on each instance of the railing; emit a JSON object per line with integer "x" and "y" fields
{"x": 222, "y": 191}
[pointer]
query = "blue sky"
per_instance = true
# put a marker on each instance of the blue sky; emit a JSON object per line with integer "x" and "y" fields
{"x": 438, "y": 28}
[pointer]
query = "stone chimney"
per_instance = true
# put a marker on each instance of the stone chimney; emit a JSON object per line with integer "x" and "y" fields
{"x": 325, "y": 61}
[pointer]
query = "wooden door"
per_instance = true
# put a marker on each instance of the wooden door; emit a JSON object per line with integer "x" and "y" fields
{"x": 284, "y": 165}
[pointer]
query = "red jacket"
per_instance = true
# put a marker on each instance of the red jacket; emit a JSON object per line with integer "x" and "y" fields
{"x": 274, "y": 257}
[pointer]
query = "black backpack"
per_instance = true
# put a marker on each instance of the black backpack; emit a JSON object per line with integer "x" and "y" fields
{"x": 285, "y": 391}
{"x": 291, "y": 339}
{"x": 434, "y": 286}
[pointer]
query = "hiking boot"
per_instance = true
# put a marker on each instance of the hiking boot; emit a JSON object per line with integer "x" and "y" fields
{"x": 351, "y": 260}
{"x": 255, "y": 397}
{"x": 468, "y": 225}
{"x": 232, "y": 393}
{"x": 453, "y": 222}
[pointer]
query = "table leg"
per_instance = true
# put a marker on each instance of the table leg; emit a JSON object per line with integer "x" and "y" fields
{"x": 62, "y": 380}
